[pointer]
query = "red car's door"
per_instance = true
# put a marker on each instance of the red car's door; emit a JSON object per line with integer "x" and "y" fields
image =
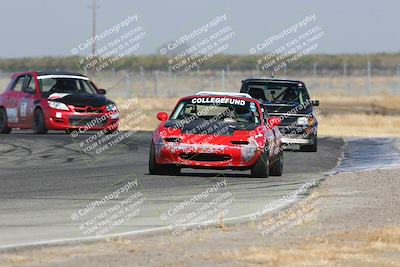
{"x": 25, "y": 103}
{"x": 11, "y": 98}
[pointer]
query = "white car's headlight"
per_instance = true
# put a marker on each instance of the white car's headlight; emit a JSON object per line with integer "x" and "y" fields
{"x": 57, "y": 105}
{"x": 302, "y": 121}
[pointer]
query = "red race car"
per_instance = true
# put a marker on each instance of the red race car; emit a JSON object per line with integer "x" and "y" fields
{"x": 45, "y": 101}
{"x": 214, "y": 130}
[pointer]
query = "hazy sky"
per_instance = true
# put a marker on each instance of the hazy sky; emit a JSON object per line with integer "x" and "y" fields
{"x": 54, "y": 27}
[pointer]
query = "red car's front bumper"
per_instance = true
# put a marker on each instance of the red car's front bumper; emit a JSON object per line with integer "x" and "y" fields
{"x": 217, "y": 156}
{"x": 62, "y": 120}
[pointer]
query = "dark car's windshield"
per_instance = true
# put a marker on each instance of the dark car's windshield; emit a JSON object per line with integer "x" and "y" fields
{"x": 50, "y": 85}
{"x": 291, "y": 93}
{"x": 217, "y": 108}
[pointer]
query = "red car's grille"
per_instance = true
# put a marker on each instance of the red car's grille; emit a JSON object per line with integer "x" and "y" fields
{"x": 88, "y": 109}
{"x": 205, "y": 157}
{"x": 90, "y": 122}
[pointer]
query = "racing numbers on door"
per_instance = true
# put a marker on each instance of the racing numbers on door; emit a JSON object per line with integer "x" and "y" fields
{"x": 22, "y": 109}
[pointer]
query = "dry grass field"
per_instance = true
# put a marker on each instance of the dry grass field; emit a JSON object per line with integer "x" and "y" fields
{"x": 362, "y": 248}
{"x": 360, "y": 116}
{"x": 378, "y": 247}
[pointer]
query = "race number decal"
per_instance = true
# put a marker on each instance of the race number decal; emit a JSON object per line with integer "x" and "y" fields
{"x": 22, "y": 109}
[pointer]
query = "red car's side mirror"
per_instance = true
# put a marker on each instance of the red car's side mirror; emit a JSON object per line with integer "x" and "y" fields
{"x": 274, "y": 121}
{"x": 162, "y": 116}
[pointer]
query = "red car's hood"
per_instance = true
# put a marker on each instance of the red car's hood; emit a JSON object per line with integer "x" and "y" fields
{"x": 237, "y": 137}
{"x": 214, "y": 127}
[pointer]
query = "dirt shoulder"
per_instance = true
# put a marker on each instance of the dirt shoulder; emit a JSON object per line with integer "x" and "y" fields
{"x": 351, "y": 219}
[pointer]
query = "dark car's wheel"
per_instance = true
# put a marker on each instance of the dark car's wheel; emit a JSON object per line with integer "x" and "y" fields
{"x": 277, "y": 165}
{"x": 310, "y": 148}
{"x": 261, "y": 168}
{"x": 4, "y": 129}
{"x": 39, "y": 126}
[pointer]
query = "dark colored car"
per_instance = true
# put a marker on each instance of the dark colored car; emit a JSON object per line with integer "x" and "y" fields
{"x": 214, "y": 130}
{"x": 290, "y": 101}
{"x": 45, "y": 101}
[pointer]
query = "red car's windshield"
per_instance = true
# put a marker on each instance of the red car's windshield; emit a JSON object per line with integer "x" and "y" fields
{"x": 52, "y": 85}
{"x": 218, "y": 108}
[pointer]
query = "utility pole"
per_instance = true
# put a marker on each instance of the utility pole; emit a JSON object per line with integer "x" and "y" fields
{"x": 315, "y": 70}
{"x": 369, "y": 77}
{"x": 94, "y": 7}
{"x": 156, "y": 83}
{"x": 223, "y": 80}
{"x": 345, "y": 76}
{"x": 128, "y": 86}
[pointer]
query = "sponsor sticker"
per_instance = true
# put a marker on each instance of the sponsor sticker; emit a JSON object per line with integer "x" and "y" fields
{"x": 57, "y": 96}
{"x": 22, "y": 109}
{"x": 218, "y": 100}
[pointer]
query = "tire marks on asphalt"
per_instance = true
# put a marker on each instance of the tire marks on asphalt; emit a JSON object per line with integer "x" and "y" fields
{"x": 47, "y": 190}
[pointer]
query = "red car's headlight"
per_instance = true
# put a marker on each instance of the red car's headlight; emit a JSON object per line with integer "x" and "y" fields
{"x": 57, "y": 105}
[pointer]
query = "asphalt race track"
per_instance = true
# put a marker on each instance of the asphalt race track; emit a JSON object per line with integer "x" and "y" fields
{"x": 46, "y": 179}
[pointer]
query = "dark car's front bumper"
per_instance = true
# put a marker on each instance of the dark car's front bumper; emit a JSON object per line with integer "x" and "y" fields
{"x": 299, "y": 135}
{"x": 299, "y": 140}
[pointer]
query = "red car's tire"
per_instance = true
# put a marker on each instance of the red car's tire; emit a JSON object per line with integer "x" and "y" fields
{"x": 154, "y": 167}
{"x": 172, "y": 169}
{"x": 261, "y": 168}
{"x": 39, "y": 125}
{"x": 4, "y": 129}
{"x": 277, "y": 165}
{"x": 158, "y": 169}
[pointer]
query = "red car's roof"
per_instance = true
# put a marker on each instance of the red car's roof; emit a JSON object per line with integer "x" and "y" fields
{"x": 48, "y": 73}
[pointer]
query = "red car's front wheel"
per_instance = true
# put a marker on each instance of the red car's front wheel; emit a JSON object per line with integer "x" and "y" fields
{"x": 155, "y": 168}
{"x": 39, "y": 125}
{"x": 261, "y": 168}
{"x": 277, "y": 165}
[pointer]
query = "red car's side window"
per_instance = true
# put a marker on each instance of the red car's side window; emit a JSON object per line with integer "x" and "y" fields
{"x": 18, "y": 84}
